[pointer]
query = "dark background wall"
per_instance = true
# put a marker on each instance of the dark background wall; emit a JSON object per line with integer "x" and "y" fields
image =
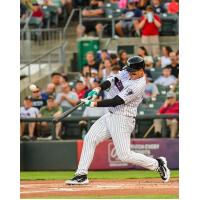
{"x": 48, "y": 155}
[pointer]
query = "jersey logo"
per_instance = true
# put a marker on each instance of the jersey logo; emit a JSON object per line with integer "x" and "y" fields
{"x": 129, "y": 92}
{"x": 119, "y": 84}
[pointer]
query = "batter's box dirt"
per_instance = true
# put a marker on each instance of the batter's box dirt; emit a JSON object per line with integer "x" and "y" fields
{"x": 52, "y": 188}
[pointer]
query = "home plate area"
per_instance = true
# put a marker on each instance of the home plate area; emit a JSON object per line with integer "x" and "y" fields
{"x": 55, "y": 188}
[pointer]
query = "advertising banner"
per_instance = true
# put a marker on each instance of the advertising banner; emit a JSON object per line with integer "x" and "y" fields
{"x": 105, "y": 156}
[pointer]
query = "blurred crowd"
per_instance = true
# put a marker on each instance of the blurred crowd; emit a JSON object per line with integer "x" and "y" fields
{"x": 61, "y": 93}
{"x": 134, "y": 17}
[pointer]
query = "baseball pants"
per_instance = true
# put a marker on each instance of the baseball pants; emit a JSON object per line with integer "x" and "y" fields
{"x": 119, "y": 128}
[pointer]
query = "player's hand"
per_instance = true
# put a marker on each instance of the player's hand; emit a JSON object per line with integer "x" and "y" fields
{"x": 94, "y": 93}
{"x": 89, "y": 103}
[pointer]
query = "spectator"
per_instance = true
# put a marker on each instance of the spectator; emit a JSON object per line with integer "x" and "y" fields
{"x": 91, "y": 63}
{"x": 94, "y": 74}
{"x": 171, "y": 106}
{"x": 142, "y": 4}
{"x": 115, "y": 69}
{"x": 113, "y": 59}
{"x": 68, "y": 4}
{"x": 50, "y": 110}
{"x": 56, "y": 79}
{"x": 37, "y": 99}
{"x": 151, "y": 90}
{"x": 23, "y": 11}
{"x": 158, "y": 7}
{"x": 165, "y": 58}
{"x": 28, "y": 4}
{"x": 166, "y": 79}
{"x": 56, "y": 3}
{"x": 123, "y": 57}
{"x": 95, "y": 9}
{"x": 28, "y": 111}
{"x": 103, "y": 55}
{"x": 105, "y": 70}
{"x": 173, "y": 7}
{"x": 175, "y": 87}
{"x": 94, "y": 83}
{"x": 37, "y": 12}
{"x": 80, "y": 3}
{"x": 125, "y": 26}
{"x": 80, "y": 89}
{"x": 122, "y": 4}
{"x": 149, "y": 26}
{"x": 89, "y": 78}
{"x": 142, "y": 52}
{"x": 50, "y": 90}
{"x": 174, "y": 66}
{"x": 177, "y": 56}
{"x": 67, "y": 98}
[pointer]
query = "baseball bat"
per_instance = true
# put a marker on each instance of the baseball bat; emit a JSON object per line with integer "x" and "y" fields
{"x": 68, "y": 112}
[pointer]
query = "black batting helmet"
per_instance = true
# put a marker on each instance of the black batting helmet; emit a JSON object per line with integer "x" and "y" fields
{"x": 134, "y": 63}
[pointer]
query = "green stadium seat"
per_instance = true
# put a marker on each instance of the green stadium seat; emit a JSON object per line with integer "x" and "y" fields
{"x": 155, "y": 104}
{"x": 130, "y": 49}
{"x": 112, "y": 10}
{"x": 51, "y": 13}
{"x": 161, "y": 98}
{"x": 169, "y": 24}
{"x": 155, "y": 72}
{"x": 163, "y": 89}
{"x": 36, "y": 22}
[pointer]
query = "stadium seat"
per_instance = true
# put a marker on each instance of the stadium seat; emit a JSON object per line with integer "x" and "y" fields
{"x": 155, "y": 72}
{"x": 71, "y": 130}
{"x": 130, "y": 49}
{"x": 169, "y": 24}
{"x": 160, "y": 98}
{"x": 142, "y": 126}
{"x": 35, "y": 22}
{"x": 112, "y": 10}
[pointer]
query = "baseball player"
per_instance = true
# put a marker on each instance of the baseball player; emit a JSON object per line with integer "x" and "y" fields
{"x": 125, "y": 92}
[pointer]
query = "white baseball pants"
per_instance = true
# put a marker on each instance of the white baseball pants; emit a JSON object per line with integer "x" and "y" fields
{"x": 119, "y": 128}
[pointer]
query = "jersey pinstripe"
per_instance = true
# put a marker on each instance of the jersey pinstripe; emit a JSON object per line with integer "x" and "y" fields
{"x": 131, "y": 91}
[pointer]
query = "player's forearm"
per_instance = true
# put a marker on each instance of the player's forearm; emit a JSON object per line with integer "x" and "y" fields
{"x": 116, "y": 101}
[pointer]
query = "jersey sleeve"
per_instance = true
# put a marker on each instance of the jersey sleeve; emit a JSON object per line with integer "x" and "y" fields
{"x": 122, "y": 75}
{"x": 129, "y": 94}
{"x": 112, "y": 79}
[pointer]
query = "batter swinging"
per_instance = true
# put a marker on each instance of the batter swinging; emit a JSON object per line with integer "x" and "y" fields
{"x": 125, "y": 92}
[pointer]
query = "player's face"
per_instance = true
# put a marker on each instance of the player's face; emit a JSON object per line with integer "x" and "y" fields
{"x": 137, "y": 74}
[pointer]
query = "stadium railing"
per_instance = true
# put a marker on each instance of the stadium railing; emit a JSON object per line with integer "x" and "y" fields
{"x": 91, "y": 120}
{"x": 44, "y": 62}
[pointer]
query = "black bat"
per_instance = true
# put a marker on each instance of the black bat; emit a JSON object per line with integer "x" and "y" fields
{"x": 68, "y": 112}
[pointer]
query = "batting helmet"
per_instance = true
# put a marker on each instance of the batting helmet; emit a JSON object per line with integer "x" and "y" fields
{"x": 134, "y": 63}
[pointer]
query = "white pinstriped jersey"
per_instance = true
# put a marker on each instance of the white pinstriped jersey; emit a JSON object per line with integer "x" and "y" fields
{"x": 131, "y": 91}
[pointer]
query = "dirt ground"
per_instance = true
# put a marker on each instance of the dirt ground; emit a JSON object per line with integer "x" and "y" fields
{"x": 55, "y": 188}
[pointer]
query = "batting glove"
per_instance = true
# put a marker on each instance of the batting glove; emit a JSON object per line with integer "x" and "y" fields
{"x": 88, "y": 103}
{"x": 94, "y": 93}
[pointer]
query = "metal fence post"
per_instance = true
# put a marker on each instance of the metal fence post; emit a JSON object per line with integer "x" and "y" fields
{"x": 29, "y": 73}
{"x": 54, "y": 131}
{"x": 40, "y": 71}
